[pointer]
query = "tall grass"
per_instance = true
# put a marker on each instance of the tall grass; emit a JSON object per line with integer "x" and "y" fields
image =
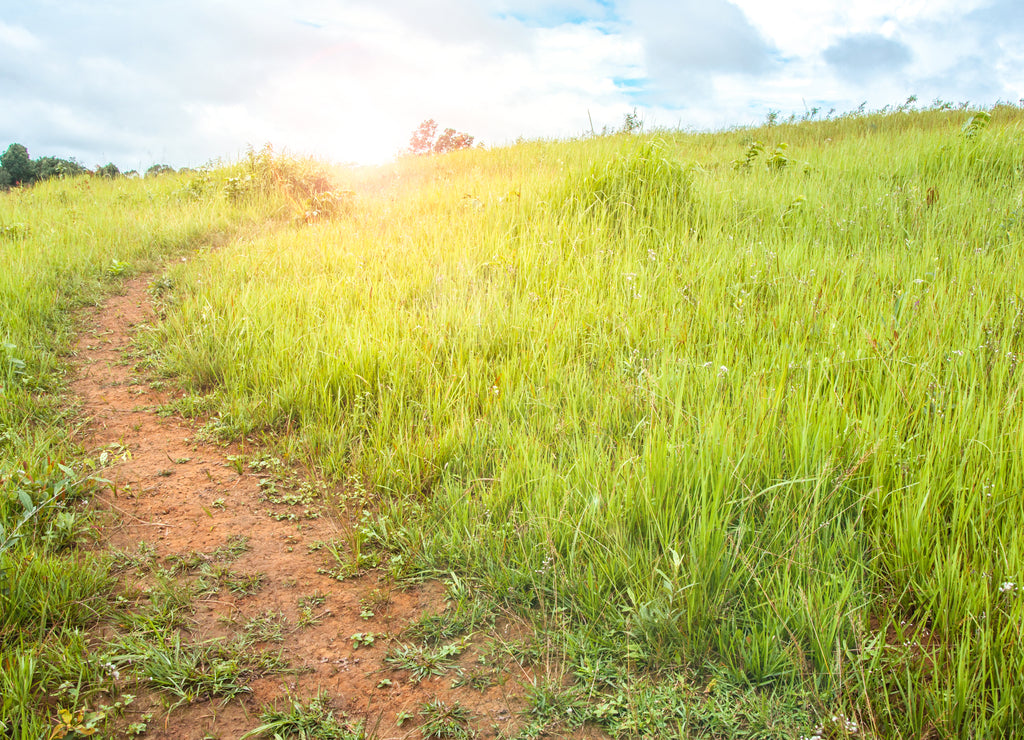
{"x": 760, "y": 422}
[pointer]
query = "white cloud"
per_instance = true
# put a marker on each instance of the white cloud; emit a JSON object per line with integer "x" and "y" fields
{"x": 17, "y": 39}
{"x": 189, "y": 81}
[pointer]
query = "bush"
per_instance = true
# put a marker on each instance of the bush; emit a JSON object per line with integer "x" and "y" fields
{"x": 159, "y": 169}
{"x": 109, "y": 170}
{"x": 17, "y": 165}
{"x": 49, "y": 167}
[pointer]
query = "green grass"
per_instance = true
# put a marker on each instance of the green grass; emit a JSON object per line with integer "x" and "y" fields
{"x": 739, "y": 420}
{"x": 314, "y": 719}
{"x": 738, "y": 425}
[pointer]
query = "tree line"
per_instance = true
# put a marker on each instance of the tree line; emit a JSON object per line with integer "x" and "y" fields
{"x": 18, "y": 168}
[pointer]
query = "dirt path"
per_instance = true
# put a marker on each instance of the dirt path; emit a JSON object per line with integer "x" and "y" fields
{"x": 198, "y": 510}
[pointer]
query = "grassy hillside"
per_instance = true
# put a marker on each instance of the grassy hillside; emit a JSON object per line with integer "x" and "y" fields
{"x": 736, "y": 417}
{"x": 722, "y": 410}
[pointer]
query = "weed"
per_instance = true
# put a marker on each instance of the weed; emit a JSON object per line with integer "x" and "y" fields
{"x": 142, "y": 560}
{"x": 443, "y": 720}
{"x": 478, "y": 679}
{"x": 550, "y": 702}
{"x": 234, "y": 547}
{"x": 244, "y": 584}
{"x": 423, "y": 663}
{"x": 267, "y": 626}
{"x": 317, "y": 598}
{"x": 198, "y": 671}
{"x": 363, "y": 639}
{"x": 314, "y": 719}
{"x": 186, "y": 562}
{"x": 307, "y": 618}
{"x": 117, "y": 268}
{"x": 377, "y": 598}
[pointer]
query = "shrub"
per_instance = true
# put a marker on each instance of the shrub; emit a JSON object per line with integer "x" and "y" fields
{"x": 17, "y": 165}
{"x": 159, "y": 169}
{"x": 49, "y": 167}
{"x": 108, "y": 170}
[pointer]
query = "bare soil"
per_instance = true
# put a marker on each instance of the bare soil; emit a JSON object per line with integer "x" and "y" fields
{"x": 184, "y": 497}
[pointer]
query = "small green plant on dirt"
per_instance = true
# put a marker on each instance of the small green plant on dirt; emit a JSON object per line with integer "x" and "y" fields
{"x": 168, "y": 604}
{"x": 315, "y": 599}
{"x": 185, "y": 562}
{"x": 443, "y": 720}
{"x": 237, "y": 463}
{"x": 189, "y": 406}
{"x": 307, "y": 721}
{"x": 234, "y": 547}
{"x": 480, "y": 679}
{"x": 422, "y": 662}
{"x": 309, "y": 618}
{"x": 267, "y": 626}
{"x": 77, "y": 724}
{"x": 349, "y": 561}
{"x": 240, "y": 584}
{"x": 363, "y": 639}
{"x": 376, "y": 599}
{"x": 140, "y": 726}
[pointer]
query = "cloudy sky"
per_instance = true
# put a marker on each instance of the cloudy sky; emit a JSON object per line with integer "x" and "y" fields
{"x": 185, "y": 81}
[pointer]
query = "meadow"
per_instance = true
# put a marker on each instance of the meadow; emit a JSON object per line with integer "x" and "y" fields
{"x": 725, "y": 415}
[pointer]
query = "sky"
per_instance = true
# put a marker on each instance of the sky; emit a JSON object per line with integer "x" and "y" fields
{"x": 186, "y": 82}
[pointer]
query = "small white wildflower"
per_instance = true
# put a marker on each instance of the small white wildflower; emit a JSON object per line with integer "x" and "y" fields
{"x": 1007, "y": 587}
{"x": 722, "y": 370}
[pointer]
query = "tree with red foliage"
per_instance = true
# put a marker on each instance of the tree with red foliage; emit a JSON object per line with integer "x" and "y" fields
{"x": 426, "y": 141}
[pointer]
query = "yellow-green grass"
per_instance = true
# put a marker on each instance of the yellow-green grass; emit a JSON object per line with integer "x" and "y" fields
{"x": 757, "y": 422}
{"x": 757, "y": 426}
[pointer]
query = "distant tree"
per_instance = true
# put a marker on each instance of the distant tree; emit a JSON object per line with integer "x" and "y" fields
{"x": 19, "y": 167}
{"x": 49, "y": 167}
{"x": 422, "y": 141}
{"x": 451, "y": 140}
{"x": 108, "y": 170}
{"x": 159, "y": 169}
{"x": 425, "y": 140}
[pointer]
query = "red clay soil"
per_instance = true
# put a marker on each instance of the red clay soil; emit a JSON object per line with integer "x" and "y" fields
{"x": 182, "y": 496}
